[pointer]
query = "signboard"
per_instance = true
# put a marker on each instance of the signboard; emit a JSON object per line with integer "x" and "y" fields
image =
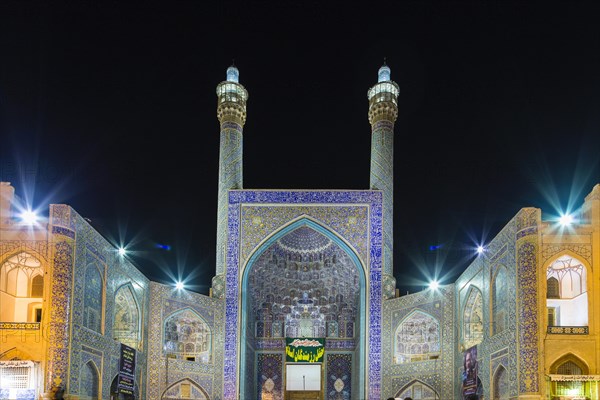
{"x": 308, "y": 350}
{"x": 126, "y": 381}
{"x": 574, "y": 378}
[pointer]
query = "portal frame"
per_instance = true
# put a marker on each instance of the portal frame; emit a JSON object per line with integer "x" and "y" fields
{"x": 373, "y": 200}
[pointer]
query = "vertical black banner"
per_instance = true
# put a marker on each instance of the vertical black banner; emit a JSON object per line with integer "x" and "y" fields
{"x": 127, "y": 370}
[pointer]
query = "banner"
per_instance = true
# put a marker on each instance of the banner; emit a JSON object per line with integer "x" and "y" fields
{"x": 471, "y": 384}
{"x": 308, "y": 350}
{"x": 126, "y": 381}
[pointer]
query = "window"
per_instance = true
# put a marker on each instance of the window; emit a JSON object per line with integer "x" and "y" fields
{"x": 568, "y": 387}
{"x": 15, "y": 375}
{"x": 37, "y": 286}
{"x": 186, "y": 390}
{"x": 553, "y": 290}
{"x": 551, "y": 316}
{"x": 38, "y": 315}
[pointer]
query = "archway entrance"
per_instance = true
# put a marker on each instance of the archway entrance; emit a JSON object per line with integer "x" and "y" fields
{"x": 303, "y": 284}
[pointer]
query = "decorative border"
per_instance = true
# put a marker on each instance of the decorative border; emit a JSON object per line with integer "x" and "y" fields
{"x": 374, "y": 200}
{"x": 528, "y": 331}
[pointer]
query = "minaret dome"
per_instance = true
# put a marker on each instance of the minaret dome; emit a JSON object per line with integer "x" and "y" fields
{"x": 384, "y": 74}
{"x": 233, "y": 74}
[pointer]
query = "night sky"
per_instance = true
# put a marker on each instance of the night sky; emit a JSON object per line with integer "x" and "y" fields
{"x": 110, "y": 107}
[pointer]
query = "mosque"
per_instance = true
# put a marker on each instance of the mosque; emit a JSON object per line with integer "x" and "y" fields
{"x": 304, "y": 302}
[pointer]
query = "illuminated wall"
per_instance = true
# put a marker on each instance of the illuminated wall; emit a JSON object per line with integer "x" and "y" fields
{"x": 185, "y": 344}
{"x": 418, "y": 336}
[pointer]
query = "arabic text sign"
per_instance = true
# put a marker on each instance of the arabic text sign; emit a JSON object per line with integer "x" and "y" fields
{"x": 304, "y": 350}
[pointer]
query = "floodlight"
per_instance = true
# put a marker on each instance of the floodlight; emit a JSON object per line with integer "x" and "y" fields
{"x": 565, "y": 219}
{"x": 29, "y": 217}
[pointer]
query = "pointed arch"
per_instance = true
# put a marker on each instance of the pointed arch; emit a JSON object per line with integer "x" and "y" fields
{"x": 187, "y": 336}
{"x": 349, "y": 329}
{"x": 127, "y": 316}
{"x": 569, "y": 357}
{"x": 472, "y": 317}
{"x": 569, "y": 364}
{"x": 20, "y": 272}
{"x": 26, "y": 250}
{"x": 89, "y": 382}
{"x": 566, "y": 290}
{"x": 417, "y": 337}
{"x": 500, "y": 383}
{"x": 93, "y": 300}
{"x": 418, "y": 390}
{"x": 16, "y": 272}
{"x": 302, "y": 220}
{"x": 499, "y": 300}
{"x": 182, "y": 388}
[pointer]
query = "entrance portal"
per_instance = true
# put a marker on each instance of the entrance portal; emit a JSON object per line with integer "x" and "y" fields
{"x": 303, "y": 283}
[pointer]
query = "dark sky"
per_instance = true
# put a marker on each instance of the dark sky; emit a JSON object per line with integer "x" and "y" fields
{"x": 110, "y": 107}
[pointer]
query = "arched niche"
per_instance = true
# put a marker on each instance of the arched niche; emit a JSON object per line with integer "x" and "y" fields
{"x": 21, "y": 287}
{"x": 185, "y": 389}
{"x": 417, "y": 338}
{"x": 89, "y": 382}
{"x": 500, "y": 384}
{"x": 570, "y": 364}
{"x": 93, "y": 298}
{"x": 418, "y": 390}
{"x": 566, "y": 291}
{"x": 499, "y": 300}
{"x": 127, "y": 317}
{"x": 187, "y": 336}
{"x": 473, "y": 318}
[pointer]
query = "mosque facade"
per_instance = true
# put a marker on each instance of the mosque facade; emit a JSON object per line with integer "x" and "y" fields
{"x": 303, "y": 304}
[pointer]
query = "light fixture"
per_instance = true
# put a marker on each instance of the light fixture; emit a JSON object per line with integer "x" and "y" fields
{"x": 179, "y": 285}
{"x": 122, "y": 251}
{"x": 434, "y": 285}
{"x": 480, "y": 249}
{"x": 565, "y": 219}
{"x": 29, "y": 217}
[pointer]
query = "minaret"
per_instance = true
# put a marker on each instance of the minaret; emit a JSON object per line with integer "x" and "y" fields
{"x": 231, "y": 111}
{"x": 383, "y": 111}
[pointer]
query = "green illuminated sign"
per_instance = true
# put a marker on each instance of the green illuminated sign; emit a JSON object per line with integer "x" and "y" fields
{"x": 309, "y": 350}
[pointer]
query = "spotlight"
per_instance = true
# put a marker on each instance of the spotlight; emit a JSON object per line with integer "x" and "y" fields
{"x": 179, "y": 285}
{"x": 565, "y": 219}
{"x": 29, "y": 217}
{"x": 480, "y": 249}
{"x": 122, "y": 251}
{"x": 434, "y": 285}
